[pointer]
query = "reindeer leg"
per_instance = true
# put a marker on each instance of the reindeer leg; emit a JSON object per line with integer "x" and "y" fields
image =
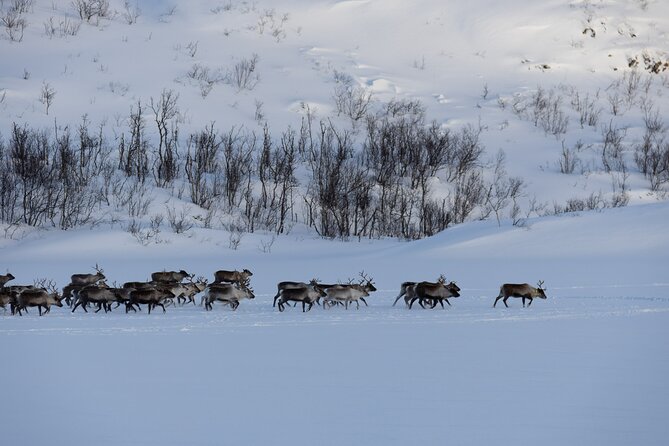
{"x": 398, "y": 298}
{"x": 530, "y": 302}
{"x": 364, "y": 301}
{"x": 504, "y": 300}
{"x": 498, "y": 298}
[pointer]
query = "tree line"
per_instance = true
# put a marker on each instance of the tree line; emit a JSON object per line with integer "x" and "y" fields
{"x": 377, "y": 178}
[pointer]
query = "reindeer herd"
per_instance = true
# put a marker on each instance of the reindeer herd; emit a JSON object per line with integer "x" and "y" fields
{"x": 91, "y": 291}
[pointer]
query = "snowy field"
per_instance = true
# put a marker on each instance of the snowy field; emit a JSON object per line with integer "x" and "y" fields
{"x": 586, "y": 366}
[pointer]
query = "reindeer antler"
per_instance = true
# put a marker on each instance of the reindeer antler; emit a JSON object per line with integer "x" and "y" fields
{"x": 540, "y": 285}
{"x": 50, "y": 285}
{"x": 98, "y": 269}
{"x": 441, "y": 279}
{"x": 246, "y": 283}
{"x": 366, "y": 277}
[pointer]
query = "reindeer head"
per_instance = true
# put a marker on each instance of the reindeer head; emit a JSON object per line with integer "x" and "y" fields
{"x": 369, "y": 285}
{"x": 541, "y": 290}
{"x": 246, "y": 286}
{"x": 99, "y": 271}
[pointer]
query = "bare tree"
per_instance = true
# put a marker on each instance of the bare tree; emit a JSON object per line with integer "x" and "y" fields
{"x": 47, "y": 94}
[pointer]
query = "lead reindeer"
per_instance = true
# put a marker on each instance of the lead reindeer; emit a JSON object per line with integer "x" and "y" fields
{"x": 88, "y": 279}
{"x": 522, "y": 290}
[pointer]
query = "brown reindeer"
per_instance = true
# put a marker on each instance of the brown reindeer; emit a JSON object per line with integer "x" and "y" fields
{"x": 13, "y": 295}
{"x": 222, "y": 276}
{"x": 435, "y": 293}
{"x": 289, "y": 285}
{"x": 407, "y": 289}
{"x": 307, "y": 295}
{"x": 88, "y": 279}
{"x": 522, "y": 290}
{"x": 40, "y": 298}
{"x": 152, "y": 297}
{"x": 4, "y": 278}
{"x": 170, "y": 276}
{"x": 100, "y": 295}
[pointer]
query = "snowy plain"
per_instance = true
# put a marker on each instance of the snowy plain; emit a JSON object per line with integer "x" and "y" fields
{"x": 586, "y": 366}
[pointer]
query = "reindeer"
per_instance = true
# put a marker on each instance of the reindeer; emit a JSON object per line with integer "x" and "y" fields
{"x": 345, "y": 294}
{"x": 227, "y": 293}
{"x": 288, "y": 285}
{"x": 13, "y": 293}
{"x": 170, "y": 276}
{"x": 4, "y": 278}
{"x": 308, "y": 294}
{"x": 408, "y": 290}
{"x": 194, "y": 288}
{"x": 88, "y": 279}
{"x": 40, "y": 298}
{"x": 221, "y": 276}
{"x": 139, "y": 285}
{"x": 152, "y": 297}
{"x": 7, "y": 297}
{"x": 434, "y": 292}
{"x": 101, "y": 295}
{"x": 522, "y": 290}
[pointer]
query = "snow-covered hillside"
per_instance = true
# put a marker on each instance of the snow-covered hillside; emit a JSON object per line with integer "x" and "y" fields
{"x": 560, "y": 96}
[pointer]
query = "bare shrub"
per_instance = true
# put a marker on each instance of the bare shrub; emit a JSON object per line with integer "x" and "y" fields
{"x": 502, "y": 190}
{"x": 612, "y": 147}
{"x": 92, "y": 9}
{"x": 180, "y": 221}
{"x": 350, "y": 100}
{"x": 587, "y": 109}
{"x": 14, "y": 24}
{"x": 64, "y": 28}
{"x": 569, "y": 159}
{"x": 236, "y": 233}
{"x": 205, "y": 77}
{"x": 202, "y": 167}
{"x": 244, "y": 75}
{"x": 652, "y": 158}
{"x": 130, "y": 12}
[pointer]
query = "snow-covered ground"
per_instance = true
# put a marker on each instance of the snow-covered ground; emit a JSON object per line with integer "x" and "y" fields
{"x": 586, "y": 366}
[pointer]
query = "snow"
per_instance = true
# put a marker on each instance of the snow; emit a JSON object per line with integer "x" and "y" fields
{"x": 588, "y": 365}
{"x": 585, "y": 366}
